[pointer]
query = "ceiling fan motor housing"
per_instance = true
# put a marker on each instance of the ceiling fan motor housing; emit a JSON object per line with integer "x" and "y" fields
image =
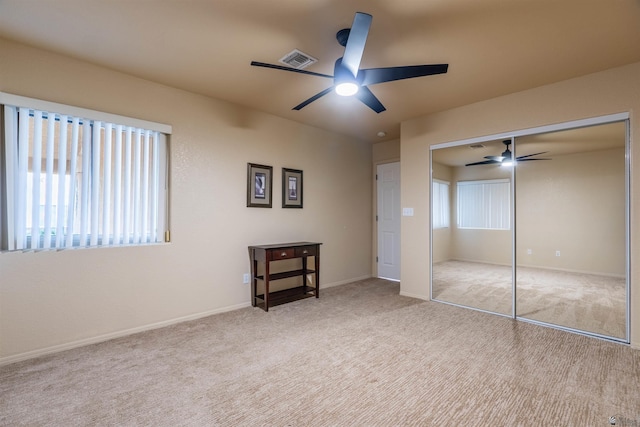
{"x": 343, "y": 36}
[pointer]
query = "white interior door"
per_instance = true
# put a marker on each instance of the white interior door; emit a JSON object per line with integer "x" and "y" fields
{"x": 388, "y": 215}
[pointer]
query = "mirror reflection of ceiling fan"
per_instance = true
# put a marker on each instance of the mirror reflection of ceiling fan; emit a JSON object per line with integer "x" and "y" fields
{"x": 351, "y": 80}
{"x": 505, "y": 158}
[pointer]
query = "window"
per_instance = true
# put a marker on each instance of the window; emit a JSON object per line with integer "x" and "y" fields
{"x": 484, "y": 204}
{"x": 440, "y": 208}
{"x": 75, "y": 181}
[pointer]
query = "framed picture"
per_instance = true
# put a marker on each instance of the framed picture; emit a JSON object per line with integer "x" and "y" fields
{"x": 259, "y": 185}
{"x": 291, "y": 188}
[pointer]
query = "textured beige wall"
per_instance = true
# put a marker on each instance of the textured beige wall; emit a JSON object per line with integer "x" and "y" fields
{"x": 54, "y": 300}
{"x": 574, "y": 204}
{"x": 612, "y": 91}
{"x": 386, "y": 152}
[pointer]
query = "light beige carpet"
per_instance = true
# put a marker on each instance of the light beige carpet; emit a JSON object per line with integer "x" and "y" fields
{"x": 361, "y": 355}
{"x": 585, "y": 302}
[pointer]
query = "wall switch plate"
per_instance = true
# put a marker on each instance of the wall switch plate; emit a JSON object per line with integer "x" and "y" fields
{"x": 407, "y": 211}
{"x": 557, "y": 253}
{"x": 245, "y": 278}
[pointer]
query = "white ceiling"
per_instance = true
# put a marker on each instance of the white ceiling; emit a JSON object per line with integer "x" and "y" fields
{"x": 493, "y": 47}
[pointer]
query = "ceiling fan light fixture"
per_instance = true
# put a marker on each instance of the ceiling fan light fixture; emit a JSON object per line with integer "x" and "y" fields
{"x": 347, "y": 88}
{"x": 508, "y": 163}
{"x": 348, "y": 78}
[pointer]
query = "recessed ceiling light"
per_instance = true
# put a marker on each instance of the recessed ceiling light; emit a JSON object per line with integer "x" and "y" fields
{"x": 382, "y": 134}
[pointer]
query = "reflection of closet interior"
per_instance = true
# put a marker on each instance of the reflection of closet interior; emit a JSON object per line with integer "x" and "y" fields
{"x": 551, "y": 248}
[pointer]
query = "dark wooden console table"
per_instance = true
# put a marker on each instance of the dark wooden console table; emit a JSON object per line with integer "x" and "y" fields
{"x": 278, "y": 252}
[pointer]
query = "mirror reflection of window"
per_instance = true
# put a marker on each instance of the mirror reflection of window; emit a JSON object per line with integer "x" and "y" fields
{"x": 484, "y": 204}
{"x": 441, "y": 209}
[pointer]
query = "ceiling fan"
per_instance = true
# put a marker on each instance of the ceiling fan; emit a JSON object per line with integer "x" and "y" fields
{"x": 505, "y": 157}
{"x": 349, "y": 79}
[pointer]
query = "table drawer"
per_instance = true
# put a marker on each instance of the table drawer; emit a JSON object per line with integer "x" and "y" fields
{"x": 306, "y": 251}
{"x": 283, "y": 253}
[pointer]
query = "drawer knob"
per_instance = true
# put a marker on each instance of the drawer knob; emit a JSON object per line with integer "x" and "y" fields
{"x": 305, "y": 251}
{"x": 283, "y": 254}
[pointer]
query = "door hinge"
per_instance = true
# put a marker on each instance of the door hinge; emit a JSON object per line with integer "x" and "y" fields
{"x": 376, "y": 259}
{"x": 376, "y": 177}
{"x": 376, "y": 217}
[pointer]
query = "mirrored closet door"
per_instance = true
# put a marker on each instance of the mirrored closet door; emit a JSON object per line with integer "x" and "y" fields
{"x": 535, "y": 227}
{"x": 471, "y": 230}
{"x": 571, "y": 253}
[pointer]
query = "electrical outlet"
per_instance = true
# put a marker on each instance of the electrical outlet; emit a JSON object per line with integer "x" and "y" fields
{"x": 557, "y": 253}
{"x": 529, "y": 251}
{"x": 245, "y": 278}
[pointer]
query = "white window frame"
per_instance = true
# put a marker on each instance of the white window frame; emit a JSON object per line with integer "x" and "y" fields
{"x": 148, "y": 144}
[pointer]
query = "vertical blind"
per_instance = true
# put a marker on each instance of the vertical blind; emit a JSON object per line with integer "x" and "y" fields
{"x": 440, "y": 208}
{"x": 484, "y": 204}
{"x": 76, "y": 182}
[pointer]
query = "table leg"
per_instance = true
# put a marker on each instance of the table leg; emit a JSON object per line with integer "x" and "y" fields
{"x": 266, "y": 285}
{"x": 304, "y": 274}
{"x": 254, "y": 281}
{"x": 317, "y": 267}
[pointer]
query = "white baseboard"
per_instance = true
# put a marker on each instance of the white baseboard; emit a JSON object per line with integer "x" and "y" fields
{"x": 418, "y": 296}
{"x": 543, "y": 267}
{"x": 344, "y": 282}
{"x": 106, "y": 337}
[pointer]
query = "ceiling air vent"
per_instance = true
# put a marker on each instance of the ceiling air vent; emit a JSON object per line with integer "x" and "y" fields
{"x": 476, "y": 146}
{"x": 298, "y": 60}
